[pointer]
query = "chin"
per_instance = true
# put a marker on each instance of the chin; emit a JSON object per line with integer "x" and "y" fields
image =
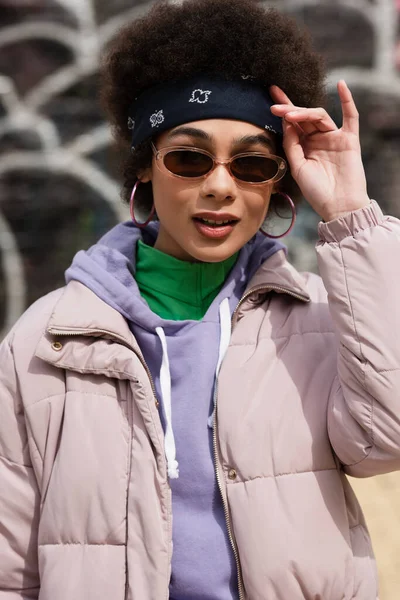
{"x": 213, "y": 253}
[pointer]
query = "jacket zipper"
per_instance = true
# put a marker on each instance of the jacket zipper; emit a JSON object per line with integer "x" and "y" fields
{"x": 215, "y": 436}
{"x": 130, "y": 420}
{"x": 225, "y": 504}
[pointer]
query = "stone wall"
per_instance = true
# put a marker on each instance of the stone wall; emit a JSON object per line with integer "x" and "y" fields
{"x": 59, "y": 188}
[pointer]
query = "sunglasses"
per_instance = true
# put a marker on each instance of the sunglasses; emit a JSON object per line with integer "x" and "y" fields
{"x": 194, "y": 163}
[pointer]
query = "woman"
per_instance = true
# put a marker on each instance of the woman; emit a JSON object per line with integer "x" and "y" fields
{"x": 179, "y": 419}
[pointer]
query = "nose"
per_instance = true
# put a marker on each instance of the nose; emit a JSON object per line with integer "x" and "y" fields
{"x": 219, "y": 184}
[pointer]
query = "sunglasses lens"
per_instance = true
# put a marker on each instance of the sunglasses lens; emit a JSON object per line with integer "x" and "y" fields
{"x": 254, "y": 169}
{"x": 186, "y": 163}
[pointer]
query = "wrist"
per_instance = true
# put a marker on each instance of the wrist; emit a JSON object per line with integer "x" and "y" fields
{"x": 332, "y": 215}
{"x": 352, "y": 224}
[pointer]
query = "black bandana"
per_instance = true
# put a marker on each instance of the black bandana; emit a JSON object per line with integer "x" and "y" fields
{"x": 202, "y": 97}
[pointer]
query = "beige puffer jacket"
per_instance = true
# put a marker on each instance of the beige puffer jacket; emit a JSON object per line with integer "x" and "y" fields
{"x": 307, "y": 392}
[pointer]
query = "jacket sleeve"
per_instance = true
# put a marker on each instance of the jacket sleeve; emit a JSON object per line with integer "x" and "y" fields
{"x": 359, "y": 260}
{"x": 19, "y": 495}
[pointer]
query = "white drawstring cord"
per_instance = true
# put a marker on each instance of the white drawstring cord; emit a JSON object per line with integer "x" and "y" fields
{"x": 165, "y": 384}
{"x": 225, "y": 338}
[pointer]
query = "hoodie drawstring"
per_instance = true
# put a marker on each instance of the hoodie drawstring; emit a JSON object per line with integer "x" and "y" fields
{"x": 225, "y": 324}
{"x": 165, "y": 384}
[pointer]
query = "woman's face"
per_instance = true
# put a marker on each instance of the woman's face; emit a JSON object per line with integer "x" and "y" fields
{"x": 182, "y": 204}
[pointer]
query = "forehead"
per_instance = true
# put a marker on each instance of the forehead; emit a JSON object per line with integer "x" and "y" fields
{"x": 218, "y": 131}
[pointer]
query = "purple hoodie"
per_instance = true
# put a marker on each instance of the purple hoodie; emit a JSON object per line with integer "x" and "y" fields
{"x": 203, "y": 566}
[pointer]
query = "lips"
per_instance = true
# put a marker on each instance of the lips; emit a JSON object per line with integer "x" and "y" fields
{"x": 215, "y": 225}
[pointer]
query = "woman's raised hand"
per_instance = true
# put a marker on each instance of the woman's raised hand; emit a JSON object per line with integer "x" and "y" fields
{"x": 324, "y": 160}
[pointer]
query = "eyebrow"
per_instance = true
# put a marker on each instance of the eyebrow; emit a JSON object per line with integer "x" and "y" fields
{"x": 258, "y": 138}
{"x": 200, "y": 134}
{"x": 192, "y": 132}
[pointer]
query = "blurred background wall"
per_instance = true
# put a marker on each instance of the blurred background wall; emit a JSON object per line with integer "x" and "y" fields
{"x": 59, "y": 188}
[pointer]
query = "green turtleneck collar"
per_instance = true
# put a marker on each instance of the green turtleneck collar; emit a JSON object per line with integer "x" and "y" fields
{"x": 176, "y": 289}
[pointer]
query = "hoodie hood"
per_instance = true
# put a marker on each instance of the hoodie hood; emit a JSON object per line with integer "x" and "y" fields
{"x": 108, "y": 269}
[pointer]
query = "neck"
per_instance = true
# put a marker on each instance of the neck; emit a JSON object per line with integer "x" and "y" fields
{"x": 166, "y": 244}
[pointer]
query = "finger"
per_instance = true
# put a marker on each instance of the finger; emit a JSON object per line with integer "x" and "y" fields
{"x": 292, "y": 146}
{"x": 279, "y": 96}
{"x": 281, "y": 110}
{"x": 284, "y": 104}
{"x": 317, "y": 117}
{"x": 349, "y": 109}
{"x": 318, "y": 113}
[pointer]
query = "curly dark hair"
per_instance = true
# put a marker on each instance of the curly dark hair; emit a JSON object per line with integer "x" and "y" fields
{"x": 227, "y": 37}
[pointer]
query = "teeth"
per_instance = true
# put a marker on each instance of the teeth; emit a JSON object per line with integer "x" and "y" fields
{"x": 215, "y": 222}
